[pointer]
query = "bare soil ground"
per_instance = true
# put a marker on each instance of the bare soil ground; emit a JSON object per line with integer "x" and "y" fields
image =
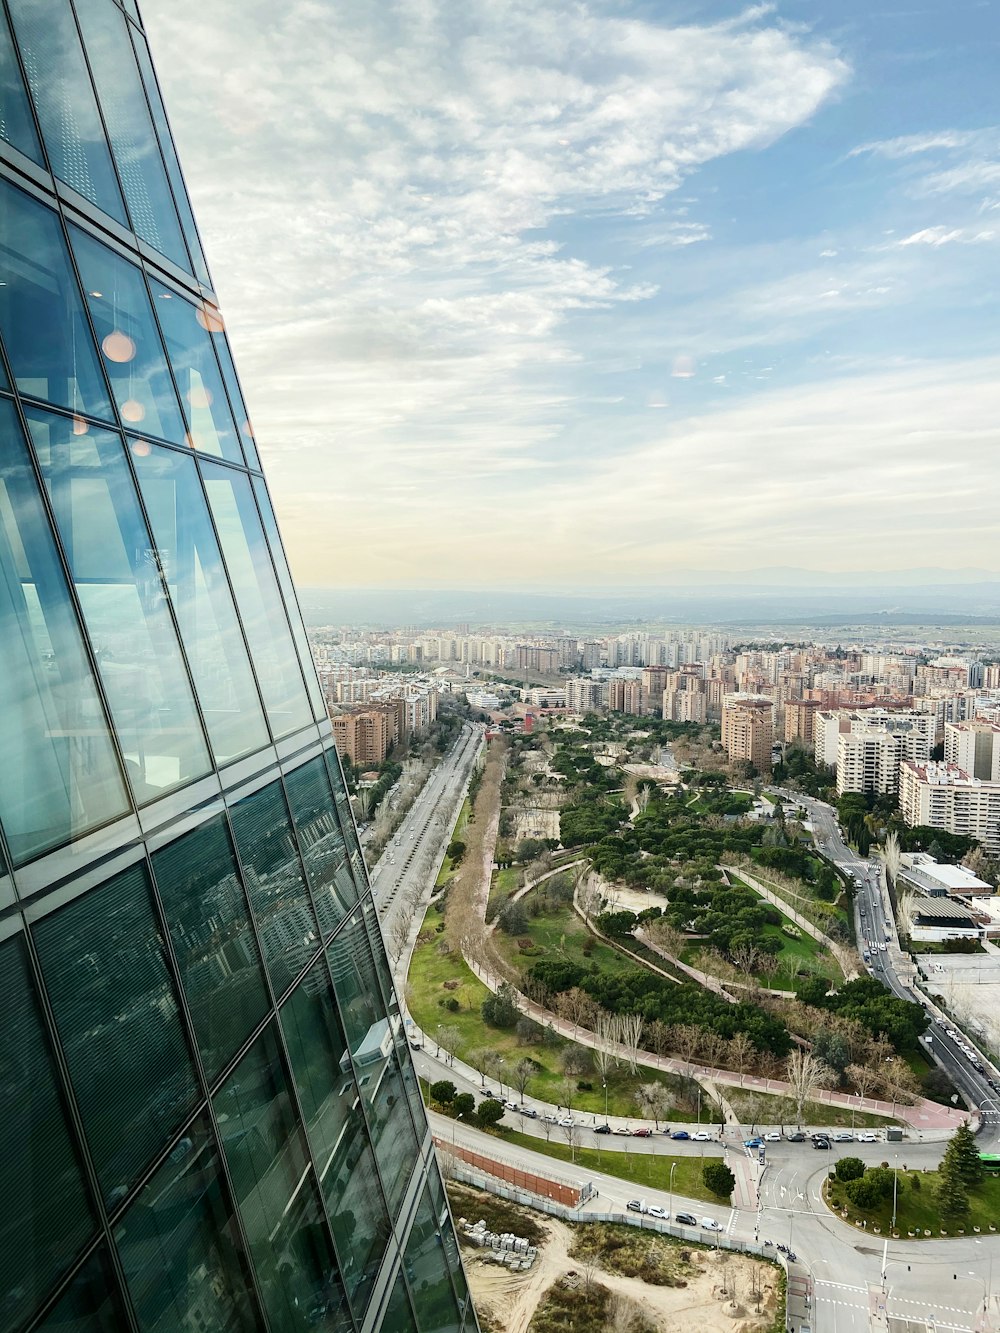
{"x": 704, "y": 1305}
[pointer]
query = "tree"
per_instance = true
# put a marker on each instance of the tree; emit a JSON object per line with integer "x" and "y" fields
{"x": 631, "y": 1036}
{"x": 443, "y": 1092}
{"x": 463, "y": 1105}
{"x": 962, "y": 1156}
{"x": 500, "y": 1010}
{"x": 850, "y": 1168}
{"x": 567, "y": 1090}
{"x": 740, "y": 1052}
{"x": 952, "y": 1194}
{"x": 484, "y": 1061}
{"x": 490, "y": 1111}
{"x": 522, "y": 1074}
{"x": 513, "y": 918}
{"x": 447, "y": 1039}
{"x": 718, "y": 1178}
{"x": 869, "y": 1190}
{"x": 571, "y": 1133}
{"x": 806, "y": 1074}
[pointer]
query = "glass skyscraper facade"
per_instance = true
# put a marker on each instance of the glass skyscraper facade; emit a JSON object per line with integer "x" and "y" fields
{"x": 210, "y": 1119}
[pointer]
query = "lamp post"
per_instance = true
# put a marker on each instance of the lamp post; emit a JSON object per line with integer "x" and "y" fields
{"x": 604, "y": 1085}
{"x": 895, "y": 1180}
{"x": 454, "y": 1128}
{"x": 670, "y": 1209}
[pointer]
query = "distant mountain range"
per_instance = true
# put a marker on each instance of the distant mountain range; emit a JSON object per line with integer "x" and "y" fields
{"x": 782, "y": 597}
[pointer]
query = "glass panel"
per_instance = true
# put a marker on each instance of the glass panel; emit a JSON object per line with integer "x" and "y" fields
{"x": 340, "y": 800}
{"x": 213, "y": 942}
{"x": 104, "y": 962}
{"x": 433, "y": 1294}
{"x": 321, "y": 1068}
{"x": 257, "y": 598}
{"x": 45, "y": 1217}
{"x": 59, "y": 775}
{"x": 371, "y": 1039}
{"x": 48, "y": 340}
{"x": 291, "y": 604}
{"x": 272, "y": 870}
{"x": 130, "y": 341}
{"x": 170, "y": 156}
{"x": 399, "y": 1313}
{"x": 17, "y": 125}
{"x": 276, "y": 1193}
{"x": 91, "y": 1303}
{"x": 409, "y": 1074}
{"x": 126, "y": 115}
{"x": 322, "y": 846}
{"x": 119, "y": 585}
{"x": 64, "y": 100}
{"x": 189, "y": 346}
{"x": 446, "y": 1227}
{"x": 179, "y": 1247}
{"x": 217, "y": 328}
{"x": 213, "y": 640}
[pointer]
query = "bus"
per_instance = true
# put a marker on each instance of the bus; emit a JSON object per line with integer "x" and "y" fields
{"x": 991, "y": 1163}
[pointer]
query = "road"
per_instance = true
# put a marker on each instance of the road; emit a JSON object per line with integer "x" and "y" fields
{"x": 874, "y": 922}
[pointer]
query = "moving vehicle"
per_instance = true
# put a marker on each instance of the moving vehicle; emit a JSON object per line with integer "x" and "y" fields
{"x": 680, "y": 1134}
{"x": 686, "y": 1219}
{"x": 710, "y": 1224}
{"x": 753, "y": 1143}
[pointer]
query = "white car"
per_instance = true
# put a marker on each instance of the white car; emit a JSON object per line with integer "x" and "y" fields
{"x": 702, "y": 1136}
{"x": 773, "y": 1137}
{"x": 882, "y": 948}
{"x": 567, "y": 1122}
{"x": 867, "y": 1136}
{"x": 654, "y": 1210}
{"x": 710, "y": 1224}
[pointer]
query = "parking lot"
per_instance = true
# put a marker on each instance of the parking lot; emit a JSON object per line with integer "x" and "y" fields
{"x": 969, "y": 984}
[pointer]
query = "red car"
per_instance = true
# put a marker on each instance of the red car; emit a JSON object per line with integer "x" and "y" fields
{"x": 642, "y": 1133}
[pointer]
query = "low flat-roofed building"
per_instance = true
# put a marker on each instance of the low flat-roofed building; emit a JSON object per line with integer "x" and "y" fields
{"x": 940, "y": 881}
{"x": 936, "y": 920}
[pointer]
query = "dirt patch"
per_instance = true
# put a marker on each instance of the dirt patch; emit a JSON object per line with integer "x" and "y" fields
{"x": 721, "y": 1291}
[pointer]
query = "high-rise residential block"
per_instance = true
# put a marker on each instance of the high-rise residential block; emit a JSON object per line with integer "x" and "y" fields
{"x": 748, "y": 729}
{"x": 210, "y": 1117}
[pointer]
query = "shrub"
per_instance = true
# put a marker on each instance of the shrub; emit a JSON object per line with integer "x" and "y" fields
{"x": 718, "y": 1178}
{"x": 500, "y": 1010}
{"x": 490, "y": 1111}
{"x": 451, "y": 1004}
{"x": 464, "y": 1105}
{"x": 443, "y": 1091}
{"x": 850, "y": 1168}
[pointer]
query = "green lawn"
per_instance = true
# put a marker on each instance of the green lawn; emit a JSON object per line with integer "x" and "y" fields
{"x": 503, "y": 884}
{"x": 448, "y": 867}
{"x": 429, "y": 970}
{"x": 767, "y": 1108}
{"x": 560, "y": 934}
{"x": 651, "y": 1170}
{"x": 917, "y": 1210}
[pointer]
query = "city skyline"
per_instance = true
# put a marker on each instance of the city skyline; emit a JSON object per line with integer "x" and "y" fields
{"x": 576, "y": 290}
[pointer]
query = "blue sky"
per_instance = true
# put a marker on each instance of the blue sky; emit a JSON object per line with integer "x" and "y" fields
{"x": 593, "y": 294}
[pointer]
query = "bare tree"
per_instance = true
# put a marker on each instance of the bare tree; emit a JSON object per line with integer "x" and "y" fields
{"x": 575, "y": 1006}
{"x": 687, "y": 1039}
{"x": 567, "y": 1090}
{"x": 521, "y": 1075}
{"x": 740, "y": 1052}
{"x": 864, "y": 1077}
{"x": 806, "y": 1073}
{"x": 448, "y": 1037}
{"x": 399, "y": 935}
{"x": 604, "y": 1059}
{"x": 746, "y": 957}
{"x": 571, "y": 1133}
{"x": 483, "y": 1060}
{"x": 631, "y": 1033}
{"x": 665, "y": 936}
{"x": 713, "y": 1045}
{"x": 653, "y": 1100}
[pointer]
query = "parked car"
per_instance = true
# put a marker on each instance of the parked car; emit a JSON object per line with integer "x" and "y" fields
{"x": 755, "y": 1142}
{"x": 566, "y": 1122}
{"x": 686, "y": 1219}
{"x": 868, "y": 1136}
{"x": 551, "y": 1119}
{"x": 654, "y": 1210}
{"x": 636, "y": 1206}
{"x": 797, "y": 1137}
{"x": 602, "y": 1129}
{"x": 620, "y": 1130}
{"x": 511, "y": 1106}
{"x": 642, "y": 1133}
{"x": 821, "y": 1143}
{"x": 702, "y": 1136}
{"x": 845, "y": 1136}
{"x": 680, "y": 1134}
{"x": 530, "y": 1112}
{"x": 710, "y": 1224}
{"x": 773, "y": 1136}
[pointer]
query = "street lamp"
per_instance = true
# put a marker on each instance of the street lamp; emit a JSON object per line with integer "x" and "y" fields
{"x": 604, "y": 1085}
{"x": 454, "y": 1128}
{"x": 895, "y": 1179}
{"x": 673, "y": 1168}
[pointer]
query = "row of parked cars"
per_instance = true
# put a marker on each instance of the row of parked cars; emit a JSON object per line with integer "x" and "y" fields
{"x": 842, "y": 1136}
{"x": 641, "y": 1132}
{"x": 661, "y": 1214}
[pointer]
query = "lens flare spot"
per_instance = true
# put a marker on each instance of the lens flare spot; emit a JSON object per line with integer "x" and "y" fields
{"x": 80, "y": 427}
{"x": 118, "y": 346}
{"x": 141, "y": 449}
{"x": 210, "y": 319}
{"x": 132, "y": 410}
{"x": 248, "y": 429}
{"x": 684, "y": 368}
{"x": 199, "y": 396}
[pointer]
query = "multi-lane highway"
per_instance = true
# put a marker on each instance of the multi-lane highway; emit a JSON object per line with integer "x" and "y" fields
{"x": 974, "y": 1075}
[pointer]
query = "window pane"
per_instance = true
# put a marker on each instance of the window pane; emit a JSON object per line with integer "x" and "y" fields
{"x": 213, "y": 640}
{"x": 433, "y": 1294}
{"x": 276, "y": 1194}
{"x": 179, "y": 1247}
{"x": 59, "y": 775}
{"x": 17, "y": 126}
{"x": 291, "y": 604}
{"x": 399, "y": 1314}
{"x": 116, "y": 574}
{"x": 322, "y": 846}
{"x": 321, "y": 1068}
{"x": 341, "y": 801}
{"x": 189, "y": 346}
{"x": 105, "y": 968}
{"x": 130, "y": 341}
{"x": 257, "y": 598}
{"x": 91, "y": 1303}
{"x": 409, "y": 1074}
{"x": 371, "y": 1039}
{"x": 266, "y": 844}
{"x": 45, "y": 331}
{"x": 126, "y": 115}
{"x": 446, "y": 1227}
{"x": 170, "y": 156}
{"x": 45, "y": 1217}
{"x": 65, "y": 102}
{"x": 217, "y": 329}
{"x": 214, "y": 945}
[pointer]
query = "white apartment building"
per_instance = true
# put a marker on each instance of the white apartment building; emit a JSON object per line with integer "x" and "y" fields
{"x": 941, "y": 795}
{"x": 867, "y": 761}
{"x": 867, "y": 744}
{"x": 584, "y": 694}
{"x": 974, "y": 747}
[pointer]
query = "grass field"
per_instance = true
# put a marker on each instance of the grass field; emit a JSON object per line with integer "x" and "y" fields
{"x": 651, "y": 1170}
{"x": 502, "y": 885}
{"x": 447, "y": 865}
{"x": 916, "y": 1208}
{"x": 426, "y": 988}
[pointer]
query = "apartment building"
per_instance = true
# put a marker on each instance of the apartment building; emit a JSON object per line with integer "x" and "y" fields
{"x": 748, "y": 729}
{"x": 944, "y": 796}
{"x": 974, "y": 747}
